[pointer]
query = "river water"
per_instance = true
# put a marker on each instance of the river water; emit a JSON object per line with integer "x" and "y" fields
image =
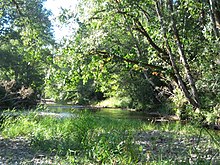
{"x": 69, "y": 110}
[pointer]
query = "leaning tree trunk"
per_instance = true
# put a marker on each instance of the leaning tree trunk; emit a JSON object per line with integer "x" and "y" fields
{"x": 192, "y": 100}
{"x": 183, "y": 57}
{"x": 215, "y": 16}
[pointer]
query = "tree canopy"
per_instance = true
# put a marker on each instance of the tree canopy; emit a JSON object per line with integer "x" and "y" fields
{"x": 25, "y": 38}
{"x": 171, "y": 45}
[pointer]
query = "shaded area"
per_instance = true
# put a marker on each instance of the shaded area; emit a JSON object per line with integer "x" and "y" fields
{"x": 177, "y": 148}
{"x": 16, "y": 95}
{"x": 19, "y": 151}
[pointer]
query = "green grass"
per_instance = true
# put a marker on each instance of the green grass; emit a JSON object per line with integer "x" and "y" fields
{"x": 89, "y": 139}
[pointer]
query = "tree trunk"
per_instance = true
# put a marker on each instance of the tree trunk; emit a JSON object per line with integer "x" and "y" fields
{"x": 180, "y": 81}
{"x": 183, "y": 57}
{"x": 214, "y": 12}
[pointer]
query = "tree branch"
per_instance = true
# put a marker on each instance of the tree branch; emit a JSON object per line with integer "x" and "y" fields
{"x": 182, "y": 55}
{"x": 17, "y": 7}
{"x": 213, "y": 18}
{"x": 141, "y": 64}
{"x": 141, "y": 29}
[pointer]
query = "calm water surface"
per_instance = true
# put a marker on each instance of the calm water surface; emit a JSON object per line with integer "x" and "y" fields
{"x": 102, "y": 112}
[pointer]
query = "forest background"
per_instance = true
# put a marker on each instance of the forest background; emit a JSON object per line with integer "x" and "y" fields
{"x": 148, "y": 55}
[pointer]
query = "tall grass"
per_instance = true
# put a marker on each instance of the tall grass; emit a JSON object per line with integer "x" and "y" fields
{"x": 99, "y": 140}
{"x": 88, "y": 139}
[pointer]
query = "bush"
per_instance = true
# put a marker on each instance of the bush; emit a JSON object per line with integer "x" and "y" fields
{"x": 15, "y": 95}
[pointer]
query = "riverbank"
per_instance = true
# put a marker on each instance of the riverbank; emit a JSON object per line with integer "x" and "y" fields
{"x": 34, "y": 139}
{"x": 152, "y": 143}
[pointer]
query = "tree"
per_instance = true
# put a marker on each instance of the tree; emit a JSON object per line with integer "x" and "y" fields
{"x": 173, "y": 45}
{"x": 167, "y": 37}
{"x": 25, "y": 38}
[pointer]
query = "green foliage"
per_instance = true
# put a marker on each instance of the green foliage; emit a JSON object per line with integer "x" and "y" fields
{"x": 140, "y": 91}
{"x": 25, "y": 38}
{"x": 117, "y": 38}
{"x": 88, "y": 139}
{"x": 82, "y": 137}
{"x": 146, "y": 53}
{"x": 179, "y": 103}
{"x": 213, "y": 115}
{"x": 79, "y": 62}
{"x": 115, "y": 102}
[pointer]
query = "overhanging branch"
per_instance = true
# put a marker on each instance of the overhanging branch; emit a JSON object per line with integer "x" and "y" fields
{"x": 140, "y": 63}
{"x": 140, "y": 28}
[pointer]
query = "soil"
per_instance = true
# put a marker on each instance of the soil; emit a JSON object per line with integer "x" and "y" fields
{"x": 18, "y": 151}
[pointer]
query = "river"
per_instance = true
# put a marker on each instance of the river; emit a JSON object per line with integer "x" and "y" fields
{"x": 69, "y": 110}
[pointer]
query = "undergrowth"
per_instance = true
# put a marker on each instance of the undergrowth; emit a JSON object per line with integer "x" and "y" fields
{"x": 88, "y": 139}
